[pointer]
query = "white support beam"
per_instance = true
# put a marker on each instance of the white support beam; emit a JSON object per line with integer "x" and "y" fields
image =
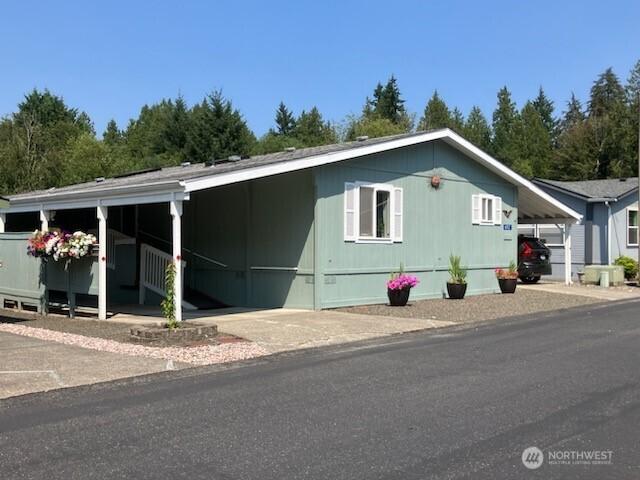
{"x": 175, "y": 209}
{"x": 3, "y": 222}
{"x": 567, "y": 254}
{"x": 45, "y": 217}
{"x": 102, "y": 262}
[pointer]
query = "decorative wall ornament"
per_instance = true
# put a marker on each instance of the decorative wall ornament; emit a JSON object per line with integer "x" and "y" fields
{"x": 435, "y": 181}
{"x": 507, "y": 213}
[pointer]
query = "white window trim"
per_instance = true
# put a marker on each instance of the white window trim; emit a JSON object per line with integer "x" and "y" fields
{"x": 494, "y": 199}
{"x": 386, "y": 187}
{"x": 629, "y": 227}
{"x": 539, "y": 227}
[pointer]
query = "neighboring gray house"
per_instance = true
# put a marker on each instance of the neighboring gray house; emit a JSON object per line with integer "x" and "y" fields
{"x": 609, "y": 226}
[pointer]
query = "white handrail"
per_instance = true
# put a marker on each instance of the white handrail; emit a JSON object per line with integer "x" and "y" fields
{"x": 195, "y": 254}
{"x": 153, "y": 265}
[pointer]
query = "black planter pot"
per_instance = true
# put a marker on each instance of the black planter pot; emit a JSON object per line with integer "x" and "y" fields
{"x": 398, "y": 298}
{"x": 456, "y": 291}
{"x": 508, "y": 285}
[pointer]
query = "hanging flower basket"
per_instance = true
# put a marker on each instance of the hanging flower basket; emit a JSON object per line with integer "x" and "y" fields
{"x": 60, "y": 245}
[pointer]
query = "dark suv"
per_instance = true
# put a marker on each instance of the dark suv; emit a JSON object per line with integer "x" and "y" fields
{"x": 533, "y": 259}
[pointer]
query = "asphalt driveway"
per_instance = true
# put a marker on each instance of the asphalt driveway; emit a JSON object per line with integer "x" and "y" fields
{"x": 29, "y": 365}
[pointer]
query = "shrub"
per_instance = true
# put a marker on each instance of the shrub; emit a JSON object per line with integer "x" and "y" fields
{"x": 630, "y": 266}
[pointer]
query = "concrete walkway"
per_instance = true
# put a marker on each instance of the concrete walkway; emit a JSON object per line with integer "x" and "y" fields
{"x": 282, "y": 329}
{"x": 611, "y": 294}
{"x": 28, "y": 365}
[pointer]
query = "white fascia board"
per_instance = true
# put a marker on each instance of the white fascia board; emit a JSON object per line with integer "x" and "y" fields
{"x": 445, "y": 134}
{"x": 505, "y": 172}
{"x": 107, "y": 201}
{"x": 308, "y": 162}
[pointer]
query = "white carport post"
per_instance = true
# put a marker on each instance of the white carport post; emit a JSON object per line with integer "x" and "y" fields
{"x": 102, "y": 262}
{"x": 175, "y": 208}
{"x": 3, "y": 222}
{"x": 567, "y": 254}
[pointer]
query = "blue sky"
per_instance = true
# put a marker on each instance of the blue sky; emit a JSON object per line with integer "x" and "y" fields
{"x": 110, "y": 58}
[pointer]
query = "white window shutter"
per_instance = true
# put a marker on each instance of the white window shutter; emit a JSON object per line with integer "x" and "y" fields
{"x": 397, "y": 215}
{"x": 497, "y": 216}
{"x": 476, "y": 214}
{"x": 350, "y": 212}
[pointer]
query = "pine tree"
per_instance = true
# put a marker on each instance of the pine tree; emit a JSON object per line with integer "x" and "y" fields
{"x": 505, "y": 120}
{"x": 477, "y": 129}
{"x": 311, "y": 130}
{"x": 573, "y": 115}
{"x": 112, "y": 135}
{"x": 532, "y": 143}
{"x": 632, "y": 91}
{"x": 457, "y": 121}
{"x": 217, "y": 130}
{"x": 609, "y": 122}
{"x": 544, "y": 107}
{"x": 285, "y": 120}
{"x": 436, "y": 114}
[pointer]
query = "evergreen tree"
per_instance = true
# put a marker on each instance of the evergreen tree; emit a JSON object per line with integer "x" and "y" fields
{"x": 311, "y": 130}
{"x": 112, "y": 134}
{"x": 387, "y": 103}
{"x": 574, "y": 115}
{"x": 436, "y": 114}
{"x": 505, "y": 120}
{"x": 609, "y": 123}
{"x": 217, "y": 130}
{"x": 477, "y": 129}
{"x": 632, "y": 91}
{"x": 544, "y": 107}
{"x": 457, "y": 121}
{"x": 532, "y": 143}
{"x": 285, "y": 121}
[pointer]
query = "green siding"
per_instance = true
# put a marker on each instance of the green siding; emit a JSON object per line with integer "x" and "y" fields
{"x": 20, "y": 275}
{"x": 262, "y": 230}
{"x": 436, "y": 224}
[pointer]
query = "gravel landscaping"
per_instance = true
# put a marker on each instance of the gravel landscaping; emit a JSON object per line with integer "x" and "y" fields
{"x": 119, "y": 332}
{"x": 197, "y": 355}
{"x": 478, "y": 307}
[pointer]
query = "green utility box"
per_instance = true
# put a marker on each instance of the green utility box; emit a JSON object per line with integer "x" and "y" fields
{"x": 592, "y": 274}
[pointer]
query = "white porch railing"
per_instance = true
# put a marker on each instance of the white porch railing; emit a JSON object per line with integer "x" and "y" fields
{"x": 153, "y": 265}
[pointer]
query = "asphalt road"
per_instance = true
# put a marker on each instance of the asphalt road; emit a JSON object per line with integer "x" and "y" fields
{"x": 449, "y": 404}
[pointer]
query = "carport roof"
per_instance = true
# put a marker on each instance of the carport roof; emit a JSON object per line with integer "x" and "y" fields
{"x": 165, "y": 184}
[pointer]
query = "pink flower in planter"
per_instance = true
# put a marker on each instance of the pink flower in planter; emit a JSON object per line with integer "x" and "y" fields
{"x": 402, "y": 281}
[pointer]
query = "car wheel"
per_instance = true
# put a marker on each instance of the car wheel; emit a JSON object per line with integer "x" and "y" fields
{"x": 530, "y": 279}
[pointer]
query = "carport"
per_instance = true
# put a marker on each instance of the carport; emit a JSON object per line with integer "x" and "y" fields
{"x": 541, "y": 208}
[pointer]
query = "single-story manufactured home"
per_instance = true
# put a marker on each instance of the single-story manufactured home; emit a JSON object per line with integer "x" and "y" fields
{"x": 310, "y": 228}
{"x": 609, "y": 225}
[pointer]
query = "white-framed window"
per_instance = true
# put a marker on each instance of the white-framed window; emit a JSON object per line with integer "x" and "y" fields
{"x": 632, "y": 227}
{"x": 551, "y": 235}
{"x": 372, "y": 212}
{"x": 486, "y": 209}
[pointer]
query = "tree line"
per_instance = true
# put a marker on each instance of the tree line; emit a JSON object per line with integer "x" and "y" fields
{"x": 47, "y": 143}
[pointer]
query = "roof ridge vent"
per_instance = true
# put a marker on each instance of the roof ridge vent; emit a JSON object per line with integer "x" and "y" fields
{"x": 234, "y": 158}
{"x": 99, "y": 179}
{"x": 185, "y": 164}
{"x": 290, "y": 149}
{"x": 362, "y": 138}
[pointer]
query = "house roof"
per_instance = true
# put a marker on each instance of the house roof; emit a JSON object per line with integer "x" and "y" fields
{"x": 171, "y": 183}
{"x": 594, "y": 190}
